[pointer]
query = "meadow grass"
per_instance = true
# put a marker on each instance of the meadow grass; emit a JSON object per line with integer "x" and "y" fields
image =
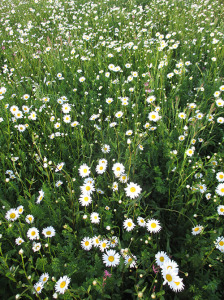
{"x": 112, "y": 175}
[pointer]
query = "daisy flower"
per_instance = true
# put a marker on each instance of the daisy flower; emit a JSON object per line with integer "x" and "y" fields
{"x": 62, "y": 284}
{"x": 19, "y": 241}
{"x": 33, "y": 233}
{"x": 130, "y": 261}
{"x": 133, "y": 190}
{"x": 48, "y": 231}
{"x": 84, "y": 170}
{"x": 85, "y": 199}
{"x": 40, "y": 197}
{"x": 220, "y": 176}
{"x": 87, "y": 188}
{"x": 38, "y": 287}
{"x": 96, "y": 241}
{"x": 36, "y": 246}
{"x": 170, "y": 265}
{"x": 101, "y": 168}
{"x": 12, "y": 214}
{"x": 104, "y": 244}
{"x": 189, "y": 152}
{"x": 153, "y": 226}
{"x": 115, "y": 186}
{"x": 169, "y": 276}
{"x": 119, "y": 114}
{"x": 89, "y": 180}
{"x": 177, "y": 285}
{"x": 111, "y": 258}
{"x": 58, "y": 183}
{"x": 94, "y": 217}
{"x": 118, "y": 169}
{"x": 182, "y": 115}
{"x": 154, "y": 116}
{"x": 197, "y": 229}
{"x": 220, "y": 243}
{"x": 59, "y": 167}
{"x": 161, "y": 257}
{"x": 86, "y": 243}
{"x": 29, "y": 219}
{"x": 141, "y": 222}
{"x": 113, "y": 241}
{"x": 220, "y": 189}
{"x": 105, "y": 148}
{"x": 220, "y": 210}
{"x": 128, "y": 224}
{"x": 20, "y": 209}
{"x": 123, "y": 178}
{"x": 44, "y": 278}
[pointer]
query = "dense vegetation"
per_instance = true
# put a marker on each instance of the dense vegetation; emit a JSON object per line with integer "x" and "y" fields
{"x": 111, "y": 148}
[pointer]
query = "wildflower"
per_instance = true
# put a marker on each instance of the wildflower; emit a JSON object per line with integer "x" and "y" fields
{"x": 48, "y": 231}
{"x": 151, "y": 99}
{"x": 33, "y": 233}
{"x": 113, "y": 241}
{"x": 104, "y": 244}
{"x": 133, "y": 190}
{"x": 220, "y": 189}
{"x": 29, "y": 219}
{"x": 82, "y": 79}
{"x": 38, "y": 287}
{"x": 66, "y": 108}
{"x": 62, "y": 284}
{"x": 111, "y": 258}
{"x": 100, "y": 169}
{"x": 220, "y": 243}
{"x": 118, "y": 169}
{"x": 59, "y": 167}
{"x": 58, "y": 183}
{"x": 12, "y": 215}
{"x": 119, "y": 114}
{"x": 190, "y": 152}
{"x": 40, "y": 197}
{"x": 84, "y": 170}
{"x": 130, "y": 261}
{"x": 128, "y": 224}
{"x": 105, "y": 148}
{"x": 220, "y": 176}
{"x": 87, "y": 188}
{"x": 26, "y": 97}
{"x": 94, "y": 217}
{"x": 153, "y": 226}
{"x": 141, "y": 222}
{"x": 154, "y": 116}
{"x": 36, "y": 246}
{"x": 123, "y": 178}
{"x": 96, "y": 241}
{"x": 182, "y": 115}
{"x": 19, "y": 241}
{"x": 44, "y": 278}
{"x": 20, "y": 209}
{"x": 85, "y": 199}
{"x": 115, "y": 186}
{"x": 86, "y": 243}
{"x": 220, "y": 210}
{"x": 161, "y": 257}
{"x": 202, "y": 188}
{"x": 197, "y": 229}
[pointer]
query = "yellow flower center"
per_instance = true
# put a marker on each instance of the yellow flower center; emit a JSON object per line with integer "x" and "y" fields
{"x": 104, "y": 245}
{"x": 129, "y": 224}
{"x": 118, "y": 169}
{"x": 86, "y": 199}
{"x": 221, "y": 176}
{"x": 169, "y": 277}
{"x": 33, "y": 233}
{"x": 177, "y": 282}
{"x": 48, "y": 233}
{"x": 222, "y": 190}
{"x": 221, "y": 243}
{"x": 88, "y": 188}
{"x": 111, "y": 258}
{"x": 196, "y": 229}
{"x": 153, "y": 225}
{"x": 45, "y": 278}
{"x": 12, "y": 215}
{"x": 62, "y": 285}
{"x": 85, "y": 171}
{"x": 101, "y": 168}
{"x": 161, "y": 259}
{"x": 222, "y": 209}
{"x": 153, "y": 116}
{"x": 130, "y": 259}
{"x": 30, "y": 219}
{"x": 86, "y": 243}
{"x": 38, "y": 288}
{"x": 132, "y": 189}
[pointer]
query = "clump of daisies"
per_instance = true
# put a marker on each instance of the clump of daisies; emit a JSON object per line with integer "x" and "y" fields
{"x": 170, "y": 271}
